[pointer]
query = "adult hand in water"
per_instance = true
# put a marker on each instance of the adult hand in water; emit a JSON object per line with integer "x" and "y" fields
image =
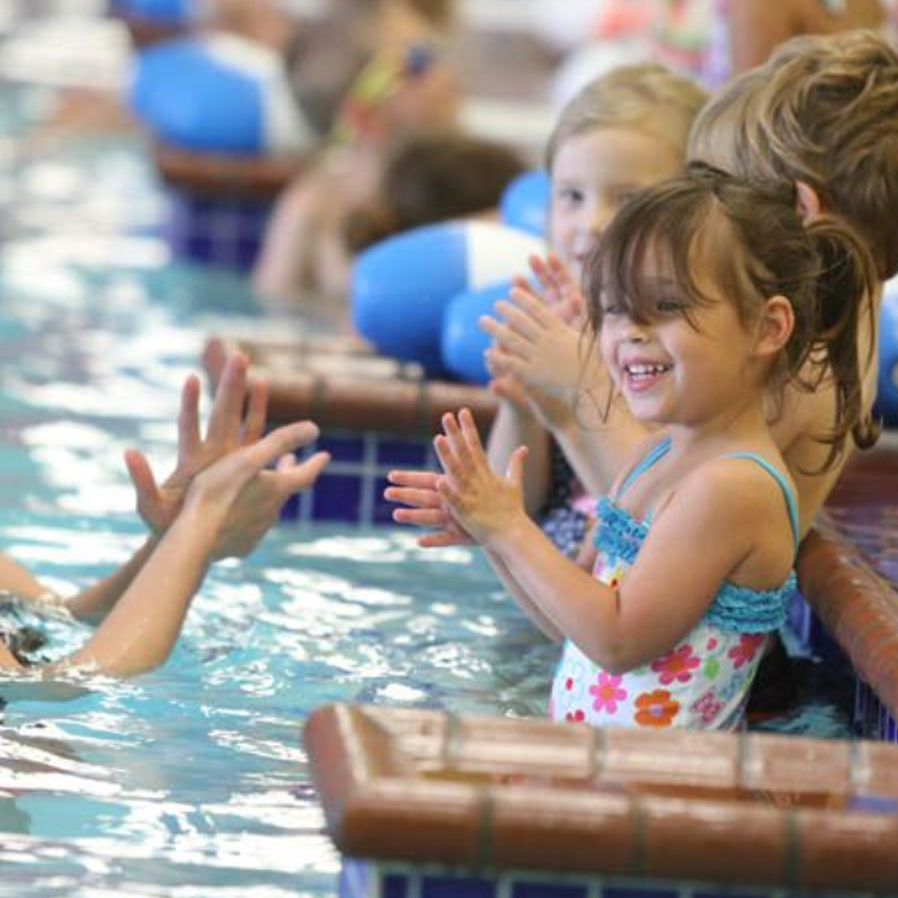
{"x": 237, "y": 419}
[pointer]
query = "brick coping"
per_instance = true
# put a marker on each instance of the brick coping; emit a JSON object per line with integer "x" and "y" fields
{"x": 342, "y": 385}
{"x": 499, "y": 793}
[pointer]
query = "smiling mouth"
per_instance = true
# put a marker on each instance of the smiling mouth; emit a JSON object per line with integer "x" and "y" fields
{"x": 640, "y": 373}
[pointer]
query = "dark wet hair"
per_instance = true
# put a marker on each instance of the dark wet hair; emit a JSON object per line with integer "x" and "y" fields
{"x": 749, "y": 243}
{"x": 433, "y": 177}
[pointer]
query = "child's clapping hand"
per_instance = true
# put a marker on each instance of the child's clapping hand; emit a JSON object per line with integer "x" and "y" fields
{"x": 467, "y": 502}
{"x": 483, "y": 504}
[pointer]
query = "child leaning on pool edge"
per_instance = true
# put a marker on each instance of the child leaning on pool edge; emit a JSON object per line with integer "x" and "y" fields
{"x": 822, "y": 113}
{"x": 220, "y": 501}
{"x": 623, "y": 131}
{"x": 707, "y": 295}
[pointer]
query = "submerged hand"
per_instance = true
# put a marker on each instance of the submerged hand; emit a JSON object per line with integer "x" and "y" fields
{"x": 229, "y": 428}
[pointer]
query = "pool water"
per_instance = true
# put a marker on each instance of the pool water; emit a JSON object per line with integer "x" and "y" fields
{"x": 192, "y": 781}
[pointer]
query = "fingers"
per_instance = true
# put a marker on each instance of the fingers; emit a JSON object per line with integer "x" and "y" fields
{"x": 453, "y": 450}
{"x": 505, "y": 336}
{"x": 523, "y": 314}
{"x": 141, "y": 475}
{"x": 226, "y": 417}
{"x": 278, "y": 443}
{"x": 417, "y": 498}
{"x": 439, "y": 540}
{"x": 256, "y": 412}
{"x": 421, "y": 517}
{"x": 189, "y": 418}
{"x": 422, "y": 480}
{"x": 470, "y": 433}
{"x": 301, "y": 476}
{"x": 516, "y": 463}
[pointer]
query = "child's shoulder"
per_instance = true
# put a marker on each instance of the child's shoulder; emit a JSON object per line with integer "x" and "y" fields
{"x": 746, "y": 484}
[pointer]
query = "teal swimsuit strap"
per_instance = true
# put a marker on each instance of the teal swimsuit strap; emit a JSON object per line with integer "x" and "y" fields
{"x": 779, "y": 477}
{"x": 654, "y": 455}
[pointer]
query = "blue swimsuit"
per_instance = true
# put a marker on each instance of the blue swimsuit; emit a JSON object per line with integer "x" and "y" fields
{"x": 704, "y": 681}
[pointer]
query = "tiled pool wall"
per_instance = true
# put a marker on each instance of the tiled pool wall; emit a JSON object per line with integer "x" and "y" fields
{"x": 225, "y": 233}
{"x": 871, "y": 719}
{"x": 371, "y": 879}
{"x": 351, "y": 489}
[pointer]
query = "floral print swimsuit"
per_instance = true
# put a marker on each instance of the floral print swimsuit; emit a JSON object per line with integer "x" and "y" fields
{"x": 703, "y": 682}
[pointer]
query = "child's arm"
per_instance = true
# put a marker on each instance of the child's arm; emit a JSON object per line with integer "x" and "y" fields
{"x": 141, "y": 628}
{"x": 709, "y": 530}
{"x": 282, "y": 266}
{"x": 418, "y": 490}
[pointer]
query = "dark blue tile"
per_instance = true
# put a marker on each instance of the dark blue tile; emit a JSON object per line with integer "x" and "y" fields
{"x": 548, "y": 890}
{"x": 382, "y": 510}
{"x": 403, "y": 453}
{"x": 730, "y": 894}
{"x": 394, "y": 885}
{"x": 290, "y": 509}
{"x": 337, "y": 497}
{"x": 457, "y": 887}
{"x": 348, "y": 448}
{"x": 637, "y": 891}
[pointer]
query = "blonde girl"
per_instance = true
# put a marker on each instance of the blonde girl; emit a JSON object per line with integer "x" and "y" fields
{"x": 622, "y": 132}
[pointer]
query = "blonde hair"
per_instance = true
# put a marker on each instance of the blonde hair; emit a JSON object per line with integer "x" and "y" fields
{"x": 824, "y": 111}
{"x": 647, "y": 96}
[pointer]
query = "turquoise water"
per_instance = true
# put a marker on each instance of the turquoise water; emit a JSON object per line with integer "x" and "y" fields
{"x": 190, "y": 781}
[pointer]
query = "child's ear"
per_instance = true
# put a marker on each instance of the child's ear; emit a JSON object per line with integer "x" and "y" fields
{"x": 775, "y": 327}
{"x": 808, "y": 205}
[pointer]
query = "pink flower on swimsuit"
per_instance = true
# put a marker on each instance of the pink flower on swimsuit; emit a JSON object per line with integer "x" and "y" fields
{"x": 676, "y": 665}
{"x": 708, "y": 707}
{"x": 607, "y": 692}
{"x": 746, "y": 649}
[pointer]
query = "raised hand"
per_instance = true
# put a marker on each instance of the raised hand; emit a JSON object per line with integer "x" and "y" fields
{"x": 257, "y": 506}
{"x": 426, "y": 508}
{"x": 560, "y": 291}
{"x": 538, "y": 359}
{"x": 244, "y": 494}
{"x": 482, "y": 503}
{"x": 237, "y": 419}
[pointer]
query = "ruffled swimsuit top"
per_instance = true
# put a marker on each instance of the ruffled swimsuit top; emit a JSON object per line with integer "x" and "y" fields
{"x": 703, "y": 682}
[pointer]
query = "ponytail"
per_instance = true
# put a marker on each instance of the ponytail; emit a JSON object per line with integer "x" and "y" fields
{"x": 845, "y": 289}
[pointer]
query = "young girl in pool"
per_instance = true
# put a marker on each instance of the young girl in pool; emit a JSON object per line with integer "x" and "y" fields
{"x": 707, "y": 295}
{"x": 623, "y": 131}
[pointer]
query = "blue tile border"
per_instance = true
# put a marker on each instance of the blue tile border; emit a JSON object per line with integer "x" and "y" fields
{"x": 370, "y": 879}
{"x": 225, "y": 232}
{"x": 872, "y": 719}
{"x": 351, "y": 489}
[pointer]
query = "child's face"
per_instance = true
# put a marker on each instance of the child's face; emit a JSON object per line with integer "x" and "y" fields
{"x": 674, "y": 370}
{"x": 593, "y": 173}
